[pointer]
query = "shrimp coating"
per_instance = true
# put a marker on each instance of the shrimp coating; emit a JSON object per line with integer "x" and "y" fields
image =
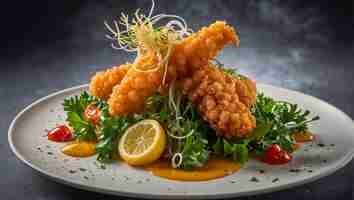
{"x": 129, "y": 96}
{"x": 191, "y": 53}
{"x": 102, "y": 83}
{"x": 222, "y": 100}
{"x": 200, "y": 48}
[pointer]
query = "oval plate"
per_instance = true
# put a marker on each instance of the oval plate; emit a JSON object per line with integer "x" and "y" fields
{"x": 333, "y": 148}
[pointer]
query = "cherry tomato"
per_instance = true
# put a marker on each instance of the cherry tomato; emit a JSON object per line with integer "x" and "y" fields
{"x": 275, "y": 155}
{"x": 92, "y": 113}
{"x": 60, "y": 134}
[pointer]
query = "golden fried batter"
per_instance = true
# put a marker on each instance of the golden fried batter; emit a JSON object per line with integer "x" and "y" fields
{"x": 222, "y": 100}
{"x": 129, "y": 96}
{"x": 201, "y": 47}
{"x": 195, "y": 50}
{"x": 102, "y": 83}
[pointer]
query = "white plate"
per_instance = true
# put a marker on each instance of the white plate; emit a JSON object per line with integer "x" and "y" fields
{"x": 27, "y": 137}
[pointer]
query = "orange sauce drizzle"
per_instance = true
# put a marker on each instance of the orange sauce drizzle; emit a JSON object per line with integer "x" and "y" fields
{"x": 303, "y": 137}
{"x": 215, "y": 168}
{"x": 79, "y": 149}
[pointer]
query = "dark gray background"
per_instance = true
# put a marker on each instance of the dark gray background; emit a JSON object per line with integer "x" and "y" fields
{"x": 48, "y": 46}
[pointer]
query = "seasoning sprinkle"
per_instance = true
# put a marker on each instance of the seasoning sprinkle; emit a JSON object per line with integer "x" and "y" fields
{"x": 321, "y": 145}
{"x": 295, "y": 170}
{"x": 82, "y": 169}
{"x": 254, "y": 179}
{"x": 275, "y": 180}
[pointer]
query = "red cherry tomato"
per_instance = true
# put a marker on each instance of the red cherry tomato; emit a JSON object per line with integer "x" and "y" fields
{"x": 274, "y": 155}
{"x": 92, "y": 114}
{"x": 60, "y": 134}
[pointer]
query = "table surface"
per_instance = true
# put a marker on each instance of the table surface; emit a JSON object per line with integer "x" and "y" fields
{"x": 302, "y": 45}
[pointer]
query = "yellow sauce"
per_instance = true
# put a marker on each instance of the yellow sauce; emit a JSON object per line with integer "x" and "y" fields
{"x": 303, "y": 137}
{"x": 215, "y": 168}
{"x": 79, "y": 149}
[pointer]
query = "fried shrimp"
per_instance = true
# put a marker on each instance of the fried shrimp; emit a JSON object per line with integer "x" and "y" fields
{"x": 201, "y": 47}
{"x": 139, "y": 84}
{"x": 102, "y": 83}
{"x": 222, "y": 100}
{"x": 173, "y": 54}
{"x": 129, "y": 96}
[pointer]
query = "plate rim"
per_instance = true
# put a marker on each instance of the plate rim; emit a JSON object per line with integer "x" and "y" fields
{"x": 344, "y": 161}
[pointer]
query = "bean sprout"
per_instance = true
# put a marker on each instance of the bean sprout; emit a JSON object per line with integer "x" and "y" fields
{"x": 176, "y": 160}
{"x": 180, "y": 137}
{"x": 139, "y": 34}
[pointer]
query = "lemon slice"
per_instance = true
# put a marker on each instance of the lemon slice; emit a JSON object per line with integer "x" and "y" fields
{"x": 142, "y": 143}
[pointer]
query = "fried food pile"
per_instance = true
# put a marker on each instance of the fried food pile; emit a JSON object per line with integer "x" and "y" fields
{"x": 223, "y": 100}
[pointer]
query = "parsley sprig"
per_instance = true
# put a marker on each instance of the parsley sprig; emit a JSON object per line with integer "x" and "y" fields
{"x": 75, "y": 107}
{"x": 284, "y": 119}
{"x": 111, "y": 130}
{"x": 186, "y": 133}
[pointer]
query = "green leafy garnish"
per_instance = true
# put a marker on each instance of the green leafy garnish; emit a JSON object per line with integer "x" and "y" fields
{"x": 75, "y": 108}
{"x": 82, "y": 130}
{"x": 195, "y": 152}
{"x": 111, "y": 130}
{"x": 186, "y": 131}
{"x": 238, "y": 152}
{"x": 188, "y": 135}
{"x": 284, "y": 119}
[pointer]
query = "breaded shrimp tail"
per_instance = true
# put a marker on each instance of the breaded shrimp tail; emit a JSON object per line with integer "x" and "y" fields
{"x": 222, "y": 100}
{"x": 129, "y": 96}
{"x": 199, "y": 48}
{"x": 102, "y": 83}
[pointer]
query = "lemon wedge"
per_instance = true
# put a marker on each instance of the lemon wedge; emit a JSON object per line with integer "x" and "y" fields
{"x": 142, "y": 143}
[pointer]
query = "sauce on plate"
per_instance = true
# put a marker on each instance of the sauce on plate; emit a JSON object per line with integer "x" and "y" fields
{"x": 303, "y": 137}
{"x": 215, "y": 168}
{"x": 79, "y": 149}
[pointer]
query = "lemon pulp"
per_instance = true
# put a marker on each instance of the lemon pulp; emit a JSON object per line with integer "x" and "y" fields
{"x": 142, "y": 143}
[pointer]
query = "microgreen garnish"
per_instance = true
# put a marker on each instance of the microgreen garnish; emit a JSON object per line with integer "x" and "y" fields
{"x": 146, "y": 33}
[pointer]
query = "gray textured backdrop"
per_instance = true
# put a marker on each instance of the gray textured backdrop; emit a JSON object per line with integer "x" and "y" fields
{"x": 301, "y": 45}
